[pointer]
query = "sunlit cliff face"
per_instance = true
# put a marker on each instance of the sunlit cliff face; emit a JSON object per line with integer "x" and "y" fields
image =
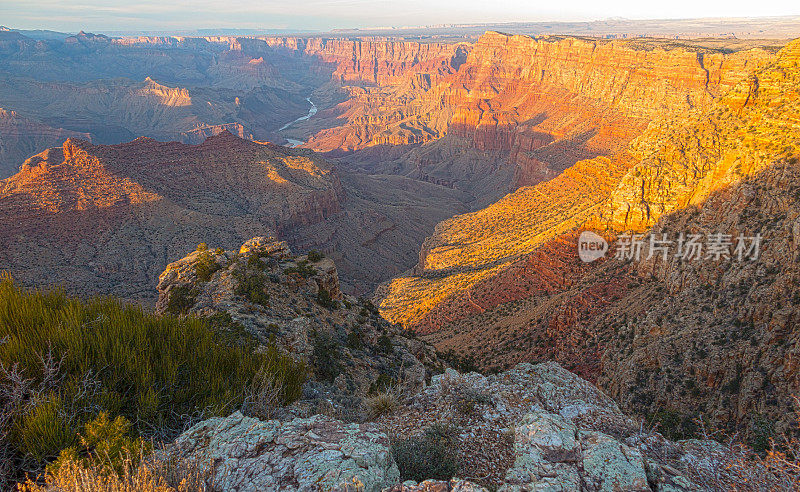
{"x": 677, "y": 161}
{"x": 167, "y": 96}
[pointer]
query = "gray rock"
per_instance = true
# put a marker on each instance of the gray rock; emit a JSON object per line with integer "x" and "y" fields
{"x": 317, "y": 453}
{"x": 547, "y": 453}
{"x": 609, "y": 465}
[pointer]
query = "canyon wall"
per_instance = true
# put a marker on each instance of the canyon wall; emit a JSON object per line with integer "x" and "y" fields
{"x": 535, "y": 106}
{"x": 492, "y": 238}
{"x": 672, "y": 337}
{"x": 114, "y": 90}
{"x": 380, "y": 61}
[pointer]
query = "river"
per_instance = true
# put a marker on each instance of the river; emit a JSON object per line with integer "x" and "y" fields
{"x": 311, "y": 112}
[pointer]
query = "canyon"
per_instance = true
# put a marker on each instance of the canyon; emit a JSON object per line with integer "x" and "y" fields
{"x": 504, "y": 284}
{"x": 451, "y": 178}
{"x": 103, "y": 219}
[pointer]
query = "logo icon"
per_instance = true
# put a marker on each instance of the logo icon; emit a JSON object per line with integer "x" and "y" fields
{"x": 591, "y": 246}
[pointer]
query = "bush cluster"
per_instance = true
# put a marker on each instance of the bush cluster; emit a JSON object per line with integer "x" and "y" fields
{"x": 64, "y": 360}
{"x": 303, "y": 269}
{"x": 181, "y": 299}
{"x": 431, "y": 455}
{"x": 315, "y": 256}
{"x": 205, "y": 266}
{"x": 326, "y": 357}
{"x": 325, "y": 300}
{"x": 252, "y": 286}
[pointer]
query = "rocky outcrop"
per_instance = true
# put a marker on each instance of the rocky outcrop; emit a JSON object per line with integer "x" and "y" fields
{"x": 567, "y": 435}
{"x": 199, "y": 134}
{"x": 296, "y": 303}
{"x": 317, "y": 453}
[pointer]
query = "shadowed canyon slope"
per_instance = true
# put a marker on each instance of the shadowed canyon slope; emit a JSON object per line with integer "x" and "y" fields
{"x": 107, "y": 219}
{"x": 505, "y": 284}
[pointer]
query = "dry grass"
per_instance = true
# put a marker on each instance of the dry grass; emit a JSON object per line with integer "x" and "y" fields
{"x": 263, "y": 398}
{"x": 734, "y": 466}
{"x": 164, "y": 474}
{"x": 384, "y": 403}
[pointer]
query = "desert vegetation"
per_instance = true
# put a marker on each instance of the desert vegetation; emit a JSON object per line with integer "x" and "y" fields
{"x": 65, "y": 363}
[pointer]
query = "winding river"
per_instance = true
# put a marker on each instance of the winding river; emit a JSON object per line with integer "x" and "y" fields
{"x": 311, "y": 112}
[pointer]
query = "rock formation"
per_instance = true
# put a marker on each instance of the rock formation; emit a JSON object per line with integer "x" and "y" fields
{"x": 317, "y": 453}
{"x": 504, "y": 284}
{"x": 566, "y": 435}
{"x": 296, "y": 302}
{"x": 522, "y": 109}
{"x": 21, "y": 138}
{"x": 112, "y": 215}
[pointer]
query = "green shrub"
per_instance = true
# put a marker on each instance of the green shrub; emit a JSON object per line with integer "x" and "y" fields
{"x": 303, "y": 269}
{"x": 673, "y": 424}
{"x": 354, "y": 339}
{"x": 43, "y": 431}
{"x": 230, "y": 332}
{"x": 181, "y": 299}
{"x": 431, "y": 455}
{"x": 468, "y": 401}
{"x": 325, "y": 300}
{"x": 462, "y": 364}
{"x": 153, "y": 370}
{"x": 205, "y": 267}
{"x": 105, "y": 440}
{"x": 326, "y": 357}
{"x": 762, "y": 431}
{"x": 385, "y": 344}
{"x": 315, "y": 256}
{"x": 252, "y": 287}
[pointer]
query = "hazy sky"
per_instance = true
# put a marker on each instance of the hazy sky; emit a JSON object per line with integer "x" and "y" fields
{"x": 110, "y": 15}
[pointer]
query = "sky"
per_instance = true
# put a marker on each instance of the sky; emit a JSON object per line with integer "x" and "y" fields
{"x": 323, "y": 15}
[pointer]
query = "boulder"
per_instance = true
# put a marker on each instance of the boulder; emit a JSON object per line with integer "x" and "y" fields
{"x": 317, "y": 453}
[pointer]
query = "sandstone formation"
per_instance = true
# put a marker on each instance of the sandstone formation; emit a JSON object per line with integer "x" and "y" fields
{"x": 516, "y": 110}
{"x": 111, "y": 216}
{"x": 504, "y": 284}
{"x": 21, "y": 138}
{"x": 380, "y": 61}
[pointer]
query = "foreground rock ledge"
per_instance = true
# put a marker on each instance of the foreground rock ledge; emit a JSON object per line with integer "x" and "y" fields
{"x": 317, "y": 453}
{"x": 568, "y": 436}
